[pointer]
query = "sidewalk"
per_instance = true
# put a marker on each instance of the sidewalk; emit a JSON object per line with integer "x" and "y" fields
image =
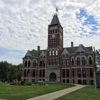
{"x": 54, "y": 95}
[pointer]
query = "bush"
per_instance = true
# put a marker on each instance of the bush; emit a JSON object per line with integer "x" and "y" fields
{"x": 28, "y": 83}
{"x": 23, "y": 83}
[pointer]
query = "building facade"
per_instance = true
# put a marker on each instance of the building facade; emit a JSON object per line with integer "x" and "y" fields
{"x": 72, "y": 64}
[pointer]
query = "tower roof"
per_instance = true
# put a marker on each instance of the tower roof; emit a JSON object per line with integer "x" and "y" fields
{"x": 55, "y": 20}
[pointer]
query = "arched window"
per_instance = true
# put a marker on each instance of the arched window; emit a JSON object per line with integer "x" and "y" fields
{"x": 56, "y": 52}
{"x": 72, "y": 61}
{"x": 78, "y": 61}
{"x": 63, "y": 56}
{"x": 29, "y": 63}
{"x": 53, "y": 52}
{"x": 50, "y": 53}
{"x": 83, "y": 61}
{"x": 25, "y": 64}
{"x": 90, "y": 61}
{"x": 34, "y": 63}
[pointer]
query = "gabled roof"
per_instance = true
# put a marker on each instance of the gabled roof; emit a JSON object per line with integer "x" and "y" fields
{"x": 82, "y": 48}
{"x": 42, "y": 53}
{"x": 55, "y": 20}
{"x": 28, "y": 53}
{"x": 65, "y": 51}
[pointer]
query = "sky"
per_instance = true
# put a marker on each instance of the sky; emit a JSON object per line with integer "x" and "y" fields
{"x": 24, "y": 25}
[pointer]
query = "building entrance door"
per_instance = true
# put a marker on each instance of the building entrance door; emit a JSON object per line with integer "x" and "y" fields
{"x": 52, "y": 77}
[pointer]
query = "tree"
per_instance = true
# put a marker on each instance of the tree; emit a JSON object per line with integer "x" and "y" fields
{"x": 10, "y": 72}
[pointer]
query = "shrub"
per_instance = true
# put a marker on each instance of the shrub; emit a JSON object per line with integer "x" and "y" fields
{"x": 28, "y": 83}
{"x": 23, "y": 83}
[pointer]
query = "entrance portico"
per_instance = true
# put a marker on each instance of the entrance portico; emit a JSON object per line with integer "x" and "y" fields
{"x": 52, "y": 77}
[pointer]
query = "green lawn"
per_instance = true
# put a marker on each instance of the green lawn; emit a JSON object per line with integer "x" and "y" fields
{"x": 86, "y": 93}
{"x": 11, "y": 92}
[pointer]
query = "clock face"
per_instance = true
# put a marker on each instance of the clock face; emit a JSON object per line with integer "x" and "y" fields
{"x": 53, "y": 35}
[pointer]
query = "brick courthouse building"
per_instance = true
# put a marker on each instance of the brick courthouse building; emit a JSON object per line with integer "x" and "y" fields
{"x": 72, "y": 64}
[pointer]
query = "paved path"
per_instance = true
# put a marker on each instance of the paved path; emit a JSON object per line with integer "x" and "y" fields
{"x": 54, "y": 95}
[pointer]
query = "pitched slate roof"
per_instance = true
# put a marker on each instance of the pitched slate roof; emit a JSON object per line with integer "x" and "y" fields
{"x": 55, "y": 20}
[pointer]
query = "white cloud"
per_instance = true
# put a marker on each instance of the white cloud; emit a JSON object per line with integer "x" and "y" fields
{"x": 24, "y": 23}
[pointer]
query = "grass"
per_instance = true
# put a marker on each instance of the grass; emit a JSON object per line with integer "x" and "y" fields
{"x": 86, "y": 93}
{"x": 11, "y": 92}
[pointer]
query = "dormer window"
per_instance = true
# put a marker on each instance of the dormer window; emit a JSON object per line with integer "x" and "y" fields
{"x": 63, "y": 56}
{"x": 66, "y": 55}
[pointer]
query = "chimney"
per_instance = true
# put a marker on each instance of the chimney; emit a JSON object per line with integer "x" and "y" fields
{"x": 38, "y": 50}
{"x": 71, "y": 46}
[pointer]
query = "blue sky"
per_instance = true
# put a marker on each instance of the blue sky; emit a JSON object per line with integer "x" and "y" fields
{"x": 24, "y": 25}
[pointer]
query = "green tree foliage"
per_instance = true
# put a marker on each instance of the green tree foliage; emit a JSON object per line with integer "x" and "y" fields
{"x": 9, "y": 72}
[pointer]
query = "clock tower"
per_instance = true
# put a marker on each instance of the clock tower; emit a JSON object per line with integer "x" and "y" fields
{"x": 55, "y": 46}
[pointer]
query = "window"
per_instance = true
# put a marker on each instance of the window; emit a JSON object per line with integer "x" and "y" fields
{"x": 66, "y": 55}
{"x": 83, "y": 61}
{"x": 49, "y": 61}
{"x": 55, "y": 30}
{"x": 91, "y": 72}
{"x": 78, "y": 61}
{"x": 52, "y": 61}
{"x": 50, "y": 53}
{"x": 29, "y": 63}
{"x": 53, "y": 52}
{"x": 79, "y": 72}
{"x": 43, "y": 63}
{"x": 40, "y": 73}
{"x": 72, "y": 61}
{"x": 40, "y": 63}
{"x": 63, "y": 62}
{"x": 84, "y": 72}
{"x": 56, "y": 62}
{"x": 63, "y": 72}
{"x": 63, "y": 56}
{"x": 67, "y": 63}
{"x": 25, "y": 73}
{"x": 33, "y": 73}
{"x": 34, "y": 63}
{"x": 25, "y": 64}
{"x": 90, "y": 61}
{"x": 56, "y": 52}
{"x": 73, "y": 72}
{"x": 51, "y": 31}
{"x": 67, "y": 74}
{"x": 28, "y": 72}
{"x": 43, "y": 73}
